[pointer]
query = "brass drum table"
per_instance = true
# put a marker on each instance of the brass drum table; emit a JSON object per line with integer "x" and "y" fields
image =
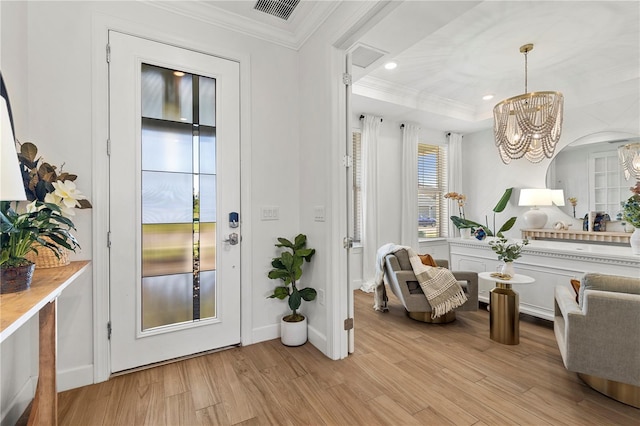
{"x": 504, "y": 308}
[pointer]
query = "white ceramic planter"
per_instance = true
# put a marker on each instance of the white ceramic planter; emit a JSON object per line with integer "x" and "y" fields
{"x": 634, "y": 240}
{"x": 293, "y": 333}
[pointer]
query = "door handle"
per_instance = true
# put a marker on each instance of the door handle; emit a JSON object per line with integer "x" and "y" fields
{"x": 233, "y": 239}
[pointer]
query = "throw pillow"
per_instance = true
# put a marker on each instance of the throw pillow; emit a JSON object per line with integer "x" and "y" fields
{"x": 426, "y": 259}
{"x": 576, "y": 287}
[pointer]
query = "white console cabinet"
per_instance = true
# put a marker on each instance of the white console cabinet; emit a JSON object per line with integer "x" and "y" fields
{"x": 551, "y": 263}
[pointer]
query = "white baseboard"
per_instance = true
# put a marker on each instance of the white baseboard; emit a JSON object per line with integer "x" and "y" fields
{"x": 75, "y": 377}
{"x": 317, "y": 339}
{"x": 356, "y": 284}
{"x": 12, "y": 412}
{"x": 268, "y": 332}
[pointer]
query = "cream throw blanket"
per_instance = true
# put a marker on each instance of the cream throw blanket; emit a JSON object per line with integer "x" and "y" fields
{"x": 440, "y": 287}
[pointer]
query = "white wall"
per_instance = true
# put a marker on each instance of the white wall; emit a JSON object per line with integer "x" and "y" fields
{"x": 50, "y": 74}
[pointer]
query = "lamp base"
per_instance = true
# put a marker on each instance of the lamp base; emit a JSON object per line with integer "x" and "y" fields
{"x": 534, "y": 218}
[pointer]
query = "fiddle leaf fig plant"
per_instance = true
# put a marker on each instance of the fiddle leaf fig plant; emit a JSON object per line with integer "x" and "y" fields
{"x": 288, "y": 268}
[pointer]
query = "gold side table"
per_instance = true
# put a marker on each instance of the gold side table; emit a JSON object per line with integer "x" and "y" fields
{"x": 504, "y": 308}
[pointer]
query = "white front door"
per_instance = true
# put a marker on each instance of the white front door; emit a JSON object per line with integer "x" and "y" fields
{"x": 174, "y": 202}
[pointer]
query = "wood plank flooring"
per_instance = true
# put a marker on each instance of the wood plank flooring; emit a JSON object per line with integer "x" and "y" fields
{"x": 403, "y": 372}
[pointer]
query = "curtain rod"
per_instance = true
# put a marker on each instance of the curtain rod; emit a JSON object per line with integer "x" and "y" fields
{"x": 362, "y": 116}
{"x": 402, "y": 126}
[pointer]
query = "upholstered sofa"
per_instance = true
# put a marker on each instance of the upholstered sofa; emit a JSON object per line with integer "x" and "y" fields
{"x": 599, "y": 334}
{"x": 404, "y": 285}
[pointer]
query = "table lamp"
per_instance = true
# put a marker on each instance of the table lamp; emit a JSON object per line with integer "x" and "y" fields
{"x": 557, "y": 197}
{"x": 11, "y": 186}
{"x": 534, "y": 197}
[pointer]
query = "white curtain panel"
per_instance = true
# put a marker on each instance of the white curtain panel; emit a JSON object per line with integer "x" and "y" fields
{"x": 454, "y": 141}
{"x": 370, "y": 133}
{"x": 409, "y": 215}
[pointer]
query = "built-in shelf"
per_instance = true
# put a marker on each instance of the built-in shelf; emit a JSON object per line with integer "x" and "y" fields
{"x": 600, "y": 237}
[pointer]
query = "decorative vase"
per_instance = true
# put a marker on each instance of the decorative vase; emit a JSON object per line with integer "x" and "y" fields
{"x": 465, "y": 233}
{"x": 16, "y": 278}
{"x": 634, "y": 240}
{"x": 507, "y": 269}
{"x": 293, "y": 333}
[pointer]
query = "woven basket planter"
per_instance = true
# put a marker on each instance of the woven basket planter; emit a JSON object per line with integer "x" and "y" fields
{"x": 46, "y": 258}
{"x": 15, "y": 279}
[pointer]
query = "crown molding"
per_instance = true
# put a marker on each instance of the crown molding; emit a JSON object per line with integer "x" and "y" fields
{"x": 211, "y": 14}
{"x": 385, "y": 91}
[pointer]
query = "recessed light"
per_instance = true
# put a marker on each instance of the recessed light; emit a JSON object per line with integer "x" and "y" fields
{"x": 390, "y": 65}
{"x": 487, "y": 97}
{"x": 178, "y": 73}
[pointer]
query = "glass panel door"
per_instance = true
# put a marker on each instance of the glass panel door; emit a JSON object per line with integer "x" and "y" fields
{"x": 178, "y": 197}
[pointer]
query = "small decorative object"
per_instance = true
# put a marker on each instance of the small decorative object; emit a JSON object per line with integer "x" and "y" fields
{"x": 595, "y": 222}
{"x": 631, "y": 214}
{"x": 561, "y": 226}
{"x": 288, "y": 268}
{"x": 480, "y": 234}
{"x": 574, "y": 202}
{"x": 508, "y": 252}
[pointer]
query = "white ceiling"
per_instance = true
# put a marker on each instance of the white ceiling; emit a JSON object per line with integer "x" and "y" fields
{"x": 451, "y": 53}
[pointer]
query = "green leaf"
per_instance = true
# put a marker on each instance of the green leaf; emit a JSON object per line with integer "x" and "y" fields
{"x": 276, "y": 274}
{"x": 308, "y": 294}
{"x": 300, "y": 241}
{"x": 280, "y": 293}
{"x": 295, "y": 300}
{"x": 464, "y": 223}
{"x": 284, "y": 243}
{"x": 507, "y": 226}
{"x": 502, "y": 204}
{"x": 307, "y": 254}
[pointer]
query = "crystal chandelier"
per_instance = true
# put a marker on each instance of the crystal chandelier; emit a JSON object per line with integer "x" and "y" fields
{"x": 630, "y": 159}
{"x": 528, "y": 125}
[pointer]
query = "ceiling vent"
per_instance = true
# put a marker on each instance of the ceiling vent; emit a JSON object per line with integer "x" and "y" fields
{"x": 363, "y": 55}
{"x": 278, "y": 8}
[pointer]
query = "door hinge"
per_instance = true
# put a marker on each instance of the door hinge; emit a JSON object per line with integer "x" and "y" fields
{"x": 348, "y": 324}
{"x": 109, "y": 239}
{"x": 347, "y": 242}
{"x": 347, "y": 161}
{"x": 109, "y": 147}
{"x": 346, "y": 79}
{"x": 109, "y": 330}
{"x": 108, "y": 53}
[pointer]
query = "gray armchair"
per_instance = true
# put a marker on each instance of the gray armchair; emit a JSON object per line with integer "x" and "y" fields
{"x": 599, "y": 334}
{"x": 404, "y": 285}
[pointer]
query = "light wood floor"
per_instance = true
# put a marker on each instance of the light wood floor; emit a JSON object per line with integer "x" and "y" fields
{"x": 403, "y": 372}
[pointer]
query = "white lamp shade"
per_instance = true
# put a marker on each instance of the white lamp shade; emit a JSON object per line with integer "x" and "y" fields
{"x": 557, "y": 197}
{"x": 11, "y": 187}
{"x": 535, "y": 197}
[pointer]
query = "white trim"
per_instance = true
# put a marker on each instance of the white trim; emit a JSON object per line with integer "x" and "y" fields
{"x": 101, "y": 25}
{"x": 74, "y": 377}
{"x": 13, "y": 410}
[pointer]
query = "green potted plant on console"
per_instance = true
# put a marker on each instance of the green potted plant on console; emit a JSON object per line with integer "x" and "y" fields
{"x": 288, "y": 268}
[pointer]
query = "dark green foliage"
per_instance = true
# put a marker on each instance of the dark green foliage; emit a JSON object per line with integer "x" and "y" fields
{"x": 288, "y": 268}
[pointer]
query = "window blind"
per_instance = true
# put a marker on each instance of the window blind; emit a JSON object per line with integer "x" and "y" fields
{"x": 432, "y": 180}
{"x": 357, "y": 185}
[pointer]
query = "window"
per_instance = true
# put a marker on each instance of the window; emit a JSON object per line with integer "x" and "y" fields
{"x": 432, "y": 181}
{"x": 357, "y": 186}
{"x": 607, "y": 186}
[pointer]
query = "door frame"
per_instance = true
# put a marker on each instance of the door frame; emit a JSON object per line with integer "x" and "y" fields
{"x": 101, "y": 26}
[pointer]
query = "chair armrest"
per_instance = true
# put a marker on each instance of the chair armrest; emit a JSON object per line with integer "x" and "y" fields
{"x": 403, "y": 278}
{"x": 566, "y": 302}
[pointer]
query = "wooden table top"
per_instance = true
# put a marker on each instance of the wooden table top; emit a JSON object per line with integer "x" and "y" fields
{"x": 17, "y": 308}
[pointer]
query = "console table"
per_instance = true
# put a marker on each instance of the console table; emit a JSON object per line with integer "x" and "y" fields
{"x": 17, "y": 308}
{"x": 550, "y": 263}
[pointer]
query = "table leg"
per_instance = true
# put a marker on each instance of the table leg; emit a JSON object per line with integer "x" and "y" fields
{"x": 44, "y": 410}
{"x": 504, "y": 315}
